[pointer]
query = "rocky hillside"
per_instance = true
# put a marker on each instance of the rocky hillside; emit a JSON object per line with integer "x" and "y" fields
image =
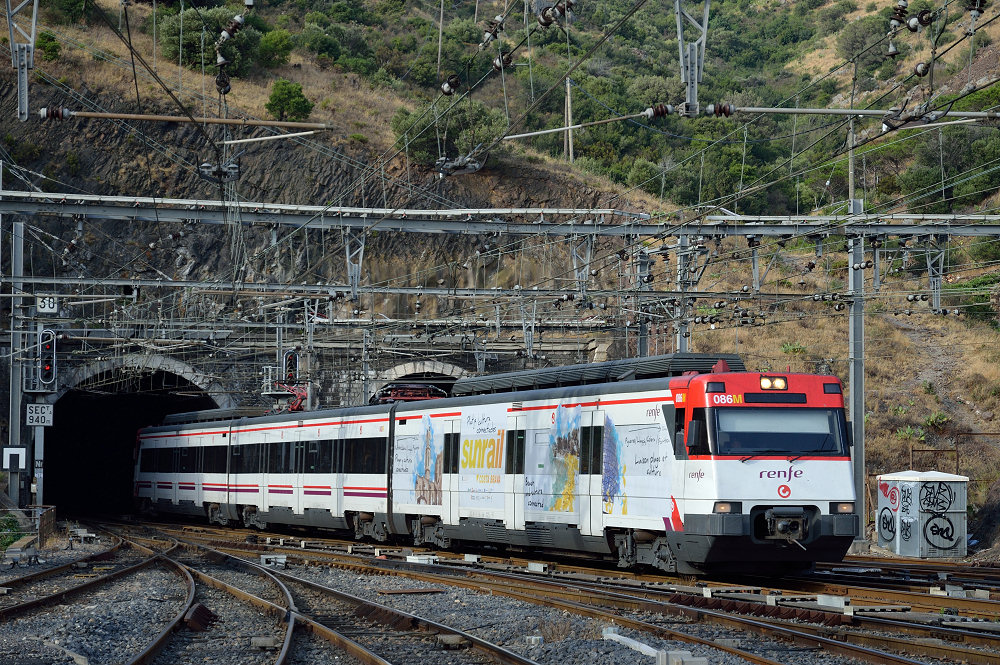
{"x": 932, "y": 381}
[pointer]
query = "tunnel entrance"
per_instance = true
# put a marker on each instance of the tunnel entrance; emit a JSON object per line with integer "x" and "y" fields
{"x": 89, "y": 448}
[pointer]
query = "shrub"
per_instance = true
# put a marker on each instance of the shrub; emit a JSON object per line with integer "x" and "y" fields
{"x": 48, "y": 45}
{"x": 274, "y": 49}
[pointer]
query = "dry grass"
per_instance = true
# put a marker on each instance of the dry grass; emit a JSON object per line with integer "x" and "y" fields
{"x": 928, "y": 378}
{"x": 341, "y": 99}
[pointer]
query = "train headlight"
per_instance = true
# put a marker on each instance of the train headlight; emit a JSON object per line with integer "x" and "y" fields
{"x": 773, "y": 383}
{"x": 842, "y": 508}
{"x": 728, "y": 507}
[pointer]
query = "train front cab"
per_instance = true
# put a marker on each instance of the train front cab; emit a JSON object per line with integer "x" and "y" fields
{"x": 768, "y": 480}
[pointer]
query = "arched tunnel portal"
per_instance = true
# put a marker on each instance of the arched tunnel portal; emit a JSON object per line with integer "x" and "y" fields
{"x": 88, "y": 460}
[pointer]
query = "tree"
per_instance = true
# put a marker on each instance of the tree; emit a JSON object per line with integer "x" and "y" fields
{"x": 274, "y": 48}
{"x": 48, "y": 45}
{"x": 200, "y": 30}
{"x": 288, "y": 101}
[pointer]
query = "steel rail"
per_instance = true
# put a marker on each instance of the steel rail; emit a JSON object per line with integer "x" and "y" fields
{"x": 32, "y": 577}
{"x": 284, "y": 614}
{"x": 153, "y": 649}
{"x": 379, "y": 612}
{"x": 14, "y": 610}
{"x": 290, "y": 610}
{"x": 586, "y": 602}
{"x": 935, "y": 647}
{"x": 972, "y": 607}
{"x": 581, "y": 601}
{"x": 504, "y": 589}
{"x": 385, "y": 614}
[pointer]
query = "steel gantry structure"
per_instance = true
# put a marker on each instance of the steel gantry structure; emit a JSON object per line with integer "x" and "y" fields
{"x": 928, "y": 233}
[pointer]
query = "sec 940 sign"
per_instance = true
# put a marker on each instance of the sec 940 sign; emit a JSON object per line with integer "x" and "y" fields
{"x": 38, "y": 415}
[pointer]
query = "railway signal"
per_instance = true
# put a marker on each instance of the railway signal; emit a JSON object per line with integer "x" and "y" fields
{"x": 47, "y": 357}
{"x": 291, "y": 364}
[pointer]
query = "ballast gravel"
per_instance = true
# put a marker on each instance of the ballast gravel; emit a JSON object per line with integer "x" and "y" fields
{"x": 566, "y": 639}
{"x": 107, "y": 625}
{"x": 57, "y": 552}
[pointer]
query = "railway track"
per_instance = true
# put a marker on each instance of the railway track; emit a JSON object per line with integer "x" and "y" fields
{"x": 351, "y": 627}
{"x": 83, "y": 612}
{"x": 967, "y": 631}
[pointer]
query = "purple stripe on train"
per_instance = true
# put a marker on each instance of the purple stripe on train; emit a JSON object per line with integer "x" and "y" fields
{"x": 272, "y": 491}
{"x": 317, "y": 492}
{"x": 373, "y": 495}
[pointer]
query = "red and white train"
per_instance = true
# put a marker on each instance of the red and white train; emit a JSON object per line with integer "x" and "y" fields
{"x": 680, "y": 462}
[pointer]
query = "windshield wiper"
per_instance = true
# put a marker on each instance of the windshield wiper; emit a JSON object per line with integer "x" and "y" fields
{"x": 758, "y": 453}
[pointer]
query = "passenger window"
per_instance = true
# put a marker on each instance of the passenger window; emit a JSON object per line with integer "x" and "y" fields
{"x": 591, "y": 449}
{"x": 697, "y": 439}
{"x": 515, "y": 451}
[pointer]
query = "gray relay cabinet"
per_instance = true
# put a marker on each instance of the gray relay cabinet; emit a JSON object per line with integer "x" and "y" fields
{"x": 922, "y": 514}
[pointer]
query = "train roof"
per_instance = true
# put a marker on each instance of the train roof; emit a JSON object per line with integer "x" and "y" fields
{"x": 628, "y": 369}
{"x": 213, "y": 414}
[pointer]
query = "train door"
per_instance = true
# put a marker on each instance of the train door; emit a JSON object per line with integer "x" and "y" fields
{"x": 591, "y": 472}
{"x": 450, "y": 503}
{"x": 514, "y": 472}
{"x": 174, "y": 476}
{"x": 234, "y": 482}
{"x": 301, "y": 478}
{"x": 337, "y": 471}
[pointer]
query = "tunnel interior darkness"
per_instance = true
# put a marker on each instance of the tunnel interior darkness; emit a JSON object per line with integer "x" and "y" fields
{"x": 90, "y": 446}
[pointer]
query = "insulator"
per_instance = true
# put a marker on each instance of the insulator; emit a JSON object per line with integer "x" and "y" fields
{"x": 745, "y": 288}
{"x": 923, "y": 296}
{"x": 913, "y": 24}
{"x": 451, "y": 85}
{"x": 547, "y": 16}
{"x": 975, "y": 8}
{"x": 893, "y": 51}
{"x": 911, "y": 297}
{"x": 720, "y": 110}
{"x": 922, "y": 69}
{"x": 502, "y": 61}
{"x": 810, "y": 265}
{"x": 925, "y": 16}
{"x": 658, "y": 111}
{"x": 46, "y": 113}
{"x": 908, "y": 311}
{"x": 839, "y": 306}
{"x": 868, "y": 263}
{"x": 899, "y": 13}
{"x": 232, "y": 28}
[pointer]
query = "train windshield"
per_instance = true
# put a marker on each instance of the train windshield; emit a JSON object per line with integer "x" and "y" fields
{"x": 769, "y": 431}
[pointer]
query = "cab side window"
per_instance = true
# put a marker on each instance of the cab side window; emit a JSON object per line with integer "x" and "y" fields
{"x": 697, "y": 438}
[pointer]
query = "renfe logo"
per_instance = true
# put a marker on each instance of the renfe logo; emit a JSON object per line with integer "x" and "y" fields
{"x": 787, "y": 475}
{"x": 697, "y": 475}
